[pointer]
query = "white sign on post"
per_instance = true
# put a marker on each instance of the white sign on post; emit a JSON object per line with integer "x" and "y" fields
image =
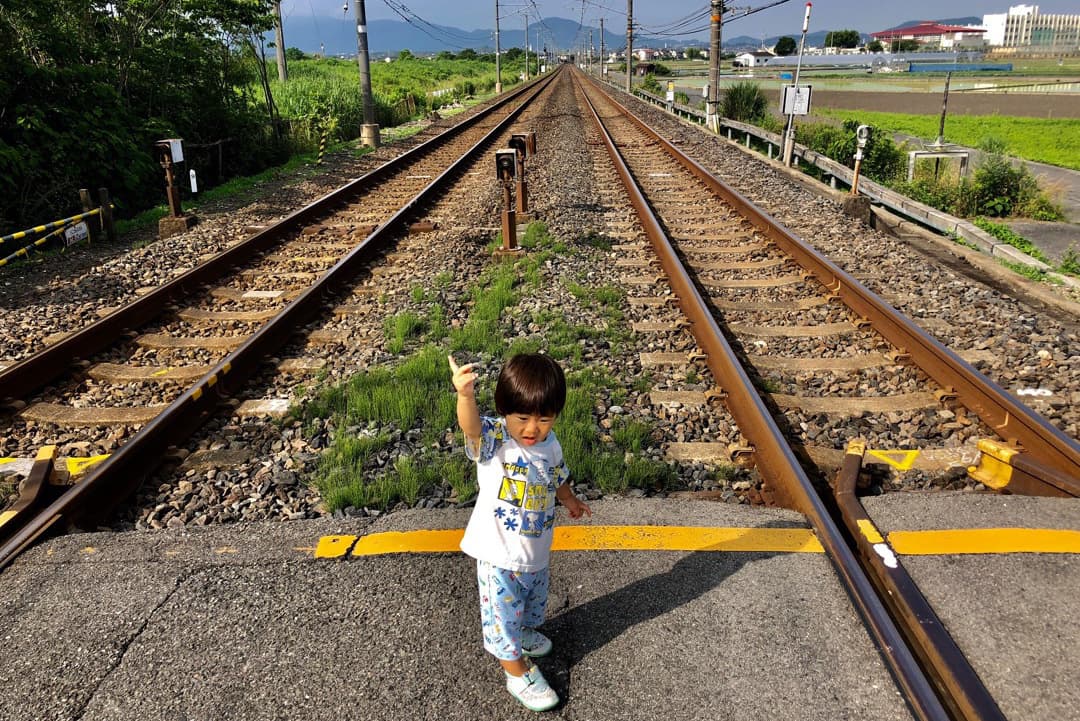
{"x": 176, "y": 149}
{"x": 795, "y": 103}
{"x": 194, "y": 181}
{"x": 76, "y": 234}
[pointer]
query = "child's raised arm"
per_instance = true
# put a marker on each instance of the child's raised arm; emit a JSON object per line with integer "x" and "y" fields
{"x": 468, "y": 414}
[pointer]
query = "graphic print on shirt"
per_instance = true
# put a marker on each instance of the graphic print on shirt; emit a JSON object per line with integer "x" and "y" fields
{"x": 534, "y": 497}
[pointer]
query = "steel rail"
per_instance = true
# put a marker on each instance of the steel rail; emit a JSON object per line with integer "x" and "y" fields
{"x": 39, "y": 369}
{"x": 115, "y": 478}
{"x": 961, "y": 686}
{"x": 1013, "y": 421}
{"x": 774, "y": 457}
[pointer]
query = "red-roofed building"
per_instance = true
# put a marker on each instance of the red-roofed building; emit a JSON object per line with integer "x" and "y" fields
{"x": 933, "y": 34}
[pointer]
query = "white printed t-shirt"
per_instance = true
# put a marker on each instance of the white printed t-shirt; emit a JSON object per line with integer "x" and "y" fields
{"x": 511, "y": 524}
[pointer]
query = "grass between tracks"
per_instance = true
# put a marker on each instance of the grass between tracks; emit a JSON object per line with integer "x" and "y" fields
{"x": 414, "y": 399}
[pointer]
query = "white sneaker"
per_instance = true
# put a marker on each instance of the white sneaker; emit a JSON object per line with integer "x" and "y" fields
{"x": 532, "y": 690}
{"x": 534, "y": 643}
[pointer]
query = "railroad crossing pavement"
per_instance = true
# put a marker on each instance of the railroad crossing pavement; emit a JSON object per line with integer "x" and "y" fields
{"x": 1013, "y": 615}
{"x": 243, "y": 622}
{"x": 745, "y": 619}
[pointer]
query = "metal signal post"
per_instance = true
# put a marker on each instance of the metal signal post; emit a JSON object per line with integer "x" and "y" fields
{"x": 789, "y": 133}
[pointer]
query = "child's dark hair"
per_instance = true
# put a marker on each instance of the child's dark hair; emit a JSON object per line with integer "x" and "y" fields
{"x": 530, "y": 383}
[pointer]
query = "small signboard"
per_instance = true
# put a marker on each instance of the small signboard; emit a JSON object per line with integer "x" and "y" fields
{"x": 176, "y": 148}
{"x": 76, "y": 234}
{"x": 795, "y": 103}
{"x": 670, "y": 92}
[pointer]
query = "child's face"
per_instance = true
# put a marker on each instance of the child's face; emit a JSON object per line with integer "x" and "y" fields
{"x": 528, "y": 429}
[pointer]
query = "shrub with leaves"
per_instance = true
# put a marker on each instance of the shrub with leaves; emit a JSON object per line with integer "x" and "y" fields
{"x": 744, "y": 101}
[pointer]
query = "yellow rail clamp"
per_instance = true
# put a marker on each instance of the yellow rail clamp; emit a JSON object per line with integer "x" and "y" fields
{"x": 78, "y": 466}
{"x": 995, "y": 464}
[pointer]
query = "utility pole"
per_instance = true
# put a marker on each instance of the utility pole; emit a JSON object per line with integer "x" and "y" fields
{"x": 602, "y": 66}
{"x": 279, "y": 38}
{"x": 526, "y": 47}
{"x": 712, "y": 117}
{"x": 629, "y": 41}
{"x": 498, "y": 64}
{"x": 590, "y": 50}
{"x": 369, "y": 131}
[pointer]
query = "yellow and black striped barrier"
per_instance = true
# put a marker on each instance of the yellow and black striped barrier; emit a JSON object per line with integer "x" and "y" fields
{"x": 55, "y": 225}
{"x": 25, "y": 250}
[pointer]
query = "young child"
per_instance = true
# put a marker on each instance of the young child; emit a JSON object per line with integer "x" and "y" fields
{"x": 520, "y": 471}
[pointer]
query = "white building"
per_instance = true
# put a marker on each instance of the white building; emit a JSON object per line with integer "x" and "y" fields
{"x": 750, "y": 60}
{"x": 1024, "y": 27}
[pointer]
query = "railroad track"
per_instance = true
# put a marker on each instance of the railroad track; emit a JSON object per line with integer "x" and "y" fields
{"x": 779, "y": 345}
{"x": 762, "y": 305}
{"x": 147, "y": 374}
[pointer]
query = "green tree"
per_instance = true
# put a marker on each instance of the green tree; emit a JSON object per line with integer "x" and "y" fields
{"x": 87, "y": 87}
{"x": 875, "y": 46}
{"x": 405, "y": 54}
{"x": 842, "y": 39}
{"x": 467, "y": 54}
{"x": 693, "y": 53}
{"x": 292, "y": 54}
{"x": 785, "y": 46}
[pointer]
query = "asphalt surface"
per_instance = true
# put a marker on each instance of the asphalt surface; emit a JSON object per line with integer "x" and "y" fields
{"x": 1013, "y": 616}
{"x": 242, "y": 622}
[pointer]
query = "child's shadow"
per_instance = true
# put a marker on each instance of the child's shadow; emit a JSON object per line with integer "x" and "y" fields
{"x": 585, "y": 628}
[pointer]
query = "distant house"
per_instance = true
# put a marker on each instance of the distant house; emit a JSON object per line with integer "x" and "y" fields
{"x": 646, "y": 54}
{"x": 934, "y": 35}
{"x": 750, "y": 60}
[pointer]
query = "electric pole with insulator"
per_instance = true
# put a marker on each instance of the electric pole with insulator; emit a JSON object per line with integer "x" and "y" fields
{"x": 712, "y": 117}
{"x": 498, "y": 64}
{"x": 629, "y": 41}
{"x": 369, "y": 131}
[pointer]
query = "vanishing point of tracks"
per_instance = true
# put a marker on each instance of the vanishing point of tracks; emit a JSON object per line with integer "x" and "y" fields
{"x": 786, "y": 336}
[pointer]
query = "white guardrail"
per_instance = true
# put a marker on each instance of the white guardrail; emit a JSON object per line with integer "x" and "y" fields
{"x": 877, "y": 193}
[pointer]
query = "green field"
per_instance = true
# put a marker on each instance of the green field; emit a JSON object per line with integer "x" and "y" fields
{"x": 1052, "y": 141}
{"x": 325, "y": 92}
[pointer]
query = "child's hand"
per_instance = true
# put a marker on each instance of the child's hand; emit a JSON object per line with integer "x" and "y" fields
{"x": 464, "y": 377}
{"x": 577, "y": 507}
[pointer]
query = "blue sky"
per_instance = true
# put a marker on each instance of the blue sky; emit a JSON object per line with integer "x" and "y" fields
{"x": 785, "y": 18}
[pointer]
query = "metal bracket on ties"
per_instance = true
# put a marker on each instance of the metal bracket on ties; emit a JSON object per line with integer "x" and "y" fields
{"x": 696, "y": 355}
{"x": 863, "y": 323}
{"x": 900, "y": 356}
{"x": 716, "y": 396}
{"x": 741, "y": 453}
{"x": 945, "y": 395}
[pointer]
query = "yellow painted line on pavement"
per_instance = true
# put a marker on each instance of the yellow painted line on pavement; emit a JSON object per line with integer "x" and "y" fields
{"x": 588, "y": 538}
{"x": 984, "y": 540}
{"x": 685, "y": 538}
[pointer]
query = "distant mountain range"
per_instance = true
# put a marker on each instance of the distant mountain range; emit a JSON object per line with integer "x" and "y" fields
{"x": 337, "y": 36}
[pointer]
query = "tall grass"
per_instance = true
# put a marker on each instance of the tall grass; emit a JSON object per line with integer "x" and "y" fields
{"x": 323, "y": 94}
{"x": 416, "y": 396}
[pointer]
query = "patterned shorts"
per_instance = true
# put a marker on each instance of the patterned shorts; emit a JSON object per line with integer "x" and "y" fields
{"x": 509, "y": 601}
